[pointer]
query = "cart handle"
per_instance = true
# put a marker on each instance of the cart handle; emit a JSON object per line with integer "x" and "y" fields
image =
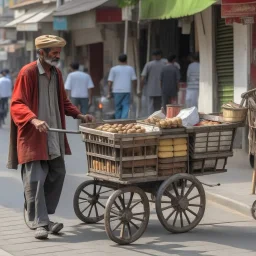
{"x": 63, "y": 131}
{"x": 245, "y": 94}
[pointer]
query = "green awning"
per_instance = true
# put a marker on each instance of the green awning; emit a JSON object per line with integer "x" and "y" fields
{"x": 166, "y": 9}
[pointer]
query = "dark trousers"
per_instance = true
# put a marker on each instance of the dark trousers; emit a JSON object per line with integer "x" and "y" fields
{"x": 154, "y": 104}
{"x": 4, "y": 108}
{"x": 43, "y": 182}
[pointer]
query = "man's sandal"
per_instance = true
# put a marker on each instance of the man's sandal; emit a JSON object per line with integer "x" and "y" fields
{"x": 41, "y": 233}
{"x": 55, "y": 227}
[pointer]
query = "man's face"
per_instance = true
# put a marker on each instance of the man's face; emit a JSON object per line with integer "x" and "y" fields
{"x": 53, "y": 57}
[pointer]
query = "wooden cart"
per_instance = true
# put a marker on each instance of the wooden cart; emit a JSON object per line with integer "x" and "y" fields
{"x": 128, "y": 176}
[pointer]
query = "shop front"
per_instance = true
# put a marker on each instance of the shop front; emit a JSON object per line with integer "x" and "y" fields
{"x": 172, "y": 28}
{"x": 239, "y": 15}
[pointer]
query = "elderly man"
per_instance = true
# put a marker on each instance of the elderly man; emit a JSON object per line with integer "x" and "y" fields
{"x": 39, "y": 101}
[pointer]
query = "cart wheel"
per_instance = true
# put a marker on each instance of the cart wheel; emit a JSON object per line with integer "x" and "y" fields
{"x": 90, "y": 200}
{"x": 180, "y": 203}
{"x": 253, "y": 210}
{"x": 25, "y": 215}
{"x": 127, "y": 215}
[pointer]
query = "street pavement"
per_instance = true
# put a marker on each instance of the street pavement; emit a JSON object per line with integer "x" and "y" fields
{"x": 236, "y": 184}
{"x": 221, "y": 232}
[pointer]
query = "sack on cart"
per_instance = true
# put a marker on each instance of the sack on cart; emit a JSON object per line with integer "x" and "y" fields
{"x": 189, "y": 116}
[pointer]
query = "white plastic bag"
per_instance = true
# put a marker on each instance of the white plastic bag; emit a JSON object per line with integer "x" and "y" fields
{"x": 189, "y": 116}
{"x": 158, "y": 114}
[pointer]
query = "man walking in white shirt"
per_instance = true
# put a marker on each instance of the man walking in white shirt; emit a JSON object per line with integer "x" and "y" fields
{"x": 5, "y": 94}
{"x": 121, "y": 78}
{"x": 193, "y": 79}
{"x": 80, "y": 86}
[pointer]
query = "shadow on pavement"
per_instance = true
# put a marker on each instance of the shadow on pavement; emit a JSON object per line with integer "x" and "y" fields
{"x": 218, "y": 239}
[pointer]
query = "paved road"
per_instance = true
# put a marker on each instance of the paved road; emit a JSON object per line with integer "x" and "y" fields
{"x": 222, "y": 232}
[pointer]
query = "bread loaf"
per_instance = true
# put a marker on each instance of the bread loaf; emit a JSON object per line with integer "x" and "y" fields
{"x": 180, "y": 153}
{"x": 165, "y": 148}
{"x": 178, "y": 148}
{"x": 168, "y": 142}
{"x": 165, "y": 154}
{"x": 179, "y": 141}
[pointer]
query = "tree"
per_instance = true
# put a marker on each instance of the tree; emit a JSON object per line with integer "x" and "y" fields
{"x": 124, "y": 3}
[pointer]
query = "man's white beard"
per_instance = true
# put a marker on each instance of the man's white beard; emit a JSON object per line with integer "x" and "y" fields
{"x": 50, "y": 62}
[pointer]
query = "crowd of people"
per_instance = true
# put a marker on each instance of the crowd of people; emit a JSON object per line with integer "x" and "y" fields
{"x": 159, "y": 80}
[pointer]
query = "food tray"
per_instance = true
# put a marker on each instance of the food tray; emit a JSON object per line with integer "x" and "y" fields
{"x": 121, "y": 156}
{"x": 213, "y": 128}
{"x": 90, "y": 129}
{"x": 166, "y": 130}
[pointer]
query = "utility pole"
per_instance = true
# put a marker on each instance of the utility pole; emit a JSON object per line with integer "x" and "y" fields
{"x": 59, "y": 3}
{"x": 126, "y": 36}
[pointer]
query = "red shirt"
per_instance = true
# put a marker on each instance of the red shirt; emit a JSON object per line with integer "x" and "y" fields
{"x": 31, "y": 144}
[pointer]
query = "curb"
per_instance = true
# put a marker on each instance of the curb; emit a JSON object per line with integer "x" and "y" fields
{"x": 230, "y": 203}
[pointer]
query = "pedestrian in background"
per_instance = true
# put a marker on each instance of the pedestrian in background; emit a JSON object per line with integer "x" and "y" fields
{"x": 151, "y": 77}
{"x": 39, "y": 101}
{"x": 7, "y": 73}
{"x": 174, "y": 62}
{"x": 80, "y": 88}
{"x": 120, "y": 81}
{"x": 170, "y": 77}
{"x": 193, "y": 78}
{"x": 5, "y": 95}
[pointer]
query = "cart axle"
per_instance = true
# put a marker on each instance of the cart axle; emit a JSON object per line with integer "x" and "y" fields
{"x": 211, "y": 185}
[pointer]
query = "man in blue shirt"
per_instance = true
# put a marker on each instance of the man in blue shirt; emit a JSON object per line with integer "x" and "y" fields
{"x": 120, "y": 80}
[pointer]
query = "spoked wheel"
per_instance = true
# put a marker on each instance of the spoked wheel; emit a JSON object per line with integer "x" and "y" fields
{"x": 253, "y": 210}
{"x": 25, "y": 215}
{"x": 180, "y": 203}
{"x": 127, "y": 215}
{"x": 89, "y": 201}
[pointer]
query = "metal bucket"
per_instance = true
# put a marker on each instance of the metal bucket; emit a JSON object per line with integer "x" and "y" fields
{"x": 172, "y": 110}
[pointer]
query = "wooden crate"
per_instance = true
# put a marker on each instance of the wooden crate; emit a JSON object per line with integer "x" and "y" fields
{"x": 207, "y": 141}
{"x": 212, "y": 142}
{"x": 205, "y": 166}
{"x": 170, "y": 166}
{"x": 173, "y": 165}
{"x": 122, "y": 156}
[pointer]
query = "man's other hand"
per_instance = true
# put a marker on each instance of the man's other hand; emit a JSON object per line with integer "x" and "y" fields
{"x": 86, "y": 118}
{"x": 40, "y": 125}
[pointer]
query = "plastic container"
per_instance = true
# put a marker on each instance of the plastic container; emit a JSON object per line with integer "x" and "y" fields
{"x": 172, "y": 110}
